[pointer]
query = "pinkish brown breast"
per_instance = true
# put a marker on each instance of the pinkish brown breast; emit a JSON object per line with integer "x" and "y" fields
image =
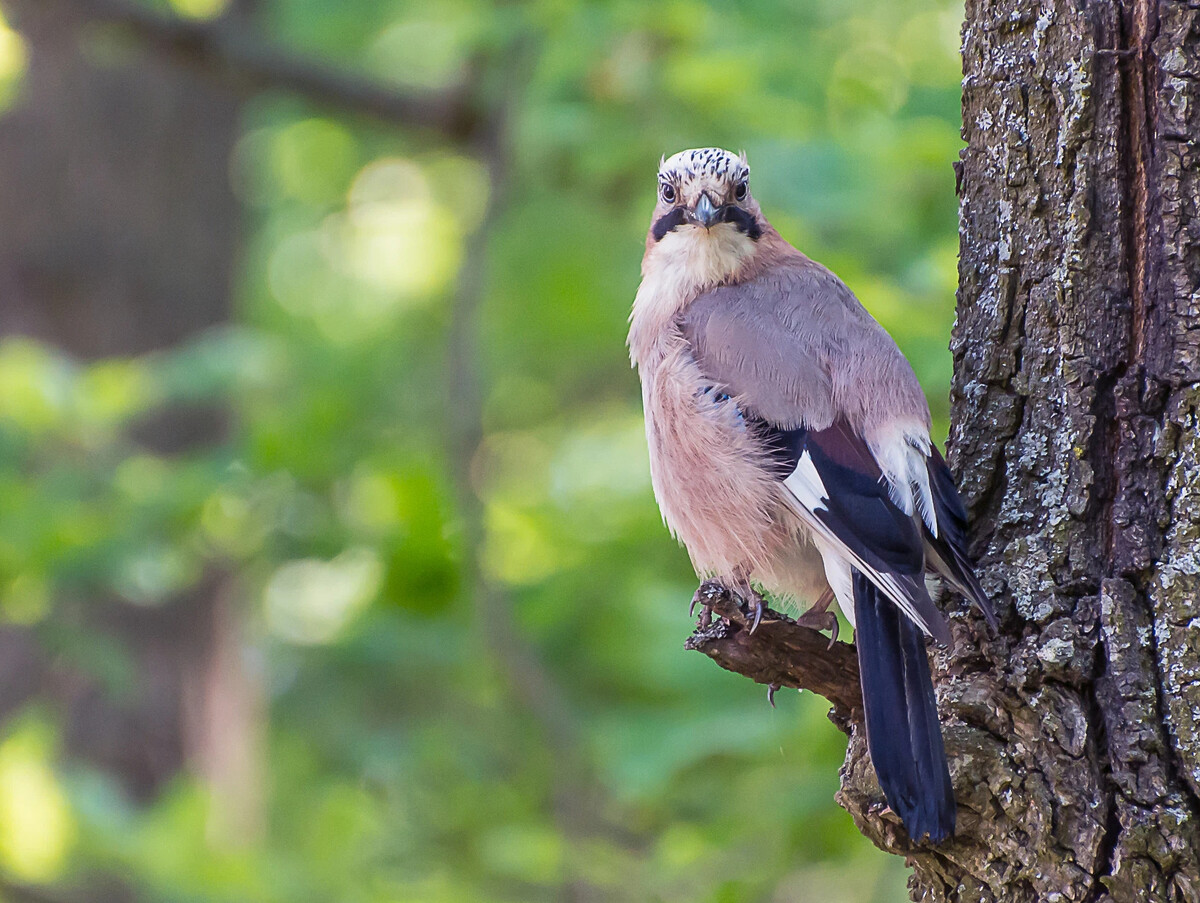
{"x": 709, "y": 475}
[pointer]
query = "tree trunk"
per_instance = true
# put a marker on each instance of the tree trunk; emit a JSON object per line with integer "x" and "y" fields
{"x": 1073, "y": 735}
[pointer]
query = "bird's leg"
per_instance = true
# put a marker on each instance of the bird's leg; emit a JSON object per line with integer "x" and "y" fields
{"x": 819, "y": 617}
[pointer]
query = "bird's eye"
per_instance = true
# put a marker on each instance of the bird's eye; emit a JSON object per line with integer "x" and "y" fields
{"x": 743, "y": 188}
{"x": 668, "y": 192}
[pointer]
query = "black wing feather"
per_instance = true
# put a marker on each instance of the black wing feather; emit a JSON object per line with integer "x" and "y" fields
{"x": 950, "y": 544}
{"x": 858, "y": 508}
{"x": 859, "y": 511}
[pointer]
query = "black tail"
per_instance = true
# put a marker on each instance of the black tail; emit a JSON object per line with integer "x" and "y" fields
{"x": 903, "y": 733}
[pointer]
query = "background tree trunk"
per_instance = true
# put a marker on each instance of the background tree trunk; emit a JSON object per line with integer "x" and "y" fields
{"x": 119, "y": 232}
{"x": 1074, "y": 734}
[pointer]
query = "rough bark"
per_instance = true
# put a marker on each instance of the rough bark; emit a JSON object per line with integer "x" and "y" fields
{"x": 1074, "y": 734}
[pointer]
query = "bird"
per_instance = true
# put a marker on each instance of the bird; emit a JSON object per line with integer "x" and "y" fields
{"x": 790, "y": 452}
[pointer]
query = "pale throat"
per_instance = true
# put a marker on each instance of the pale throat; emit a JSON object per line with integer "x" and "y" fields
{"x": 675, "y": 271}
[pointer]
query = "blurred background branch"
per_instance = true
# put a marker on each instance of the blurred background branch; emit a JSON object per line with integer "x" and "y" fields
{"x": 227, "y": 49}
{"x": 576, "y": 794}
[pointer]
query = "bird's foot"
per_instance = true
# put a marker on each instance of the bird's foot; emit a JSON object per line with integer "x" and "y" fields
{"x": 820, "y": 619}
{"x": 743, "y": 594}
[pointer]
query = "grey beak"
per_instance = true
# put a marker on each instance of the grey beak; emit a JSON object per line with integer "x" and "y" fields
{"x": 706, "y": 213}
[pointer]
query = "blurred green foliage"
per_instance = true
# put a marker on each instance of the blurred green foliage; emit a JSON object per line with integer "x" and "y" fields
{"x": 400, "y": 760}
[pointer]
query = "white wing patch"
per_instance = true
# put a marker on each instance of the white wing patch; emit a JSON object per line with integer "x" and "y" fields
{"x": 806, "y": 485}
{"x": 902, "y": 453}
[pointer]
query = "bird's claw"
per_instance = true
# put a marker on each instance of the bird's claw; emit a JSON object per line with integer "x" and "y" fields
{"x": 754, "y": 605}
{"x": 771, "y": 688}
{"x": 756, "y": 610}
{"x": 821, "y": 620}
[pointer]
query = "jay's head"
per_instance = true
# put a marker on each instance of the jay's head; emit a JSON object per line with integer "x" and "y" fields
{"x": 705, "y": 193}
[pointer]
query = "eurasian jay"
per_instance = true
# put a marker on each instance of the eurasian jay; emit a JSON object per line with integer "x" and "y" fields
{"x": 790, "y": 450}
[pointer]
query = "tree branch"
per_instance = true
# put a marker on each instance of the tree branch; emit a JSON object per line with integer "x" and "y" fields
{"x": 225, "y": 51}
{"x": 780, "y": 652}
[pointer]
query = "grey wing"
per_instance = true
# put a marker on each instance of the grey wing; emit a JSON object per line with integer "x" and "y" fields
{"x": 768, "y": 342}
{"x": 802, "y": 350}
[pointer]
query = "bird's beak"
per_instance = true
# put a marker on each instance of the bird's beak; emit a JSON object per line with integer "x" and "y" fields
{"x": 706, "y": 214}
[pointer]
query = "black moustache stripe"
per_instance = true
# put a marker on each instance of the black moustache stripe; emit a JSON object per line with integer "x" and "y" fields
{"x": 668, "y": 222}
{"x": 743, "y": 220}
{"x": 731, "y": 213}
